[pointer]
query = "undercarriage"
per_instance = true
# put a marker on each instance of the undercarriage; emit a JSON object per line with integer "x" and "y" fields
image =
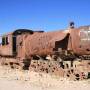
{"x": 76, "y": 69}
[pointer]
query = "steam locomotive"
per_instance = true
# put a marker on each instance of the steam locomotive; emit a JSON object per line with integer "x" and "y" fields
{"x": 57, "y": 52}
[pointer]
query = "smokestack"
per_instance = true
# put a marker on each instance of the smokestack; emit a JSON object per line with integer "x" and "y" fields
{"x": 71, "y": 25}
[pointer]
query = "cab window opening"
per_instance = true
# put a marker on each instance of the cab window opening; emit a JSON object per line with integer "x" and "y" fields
{"x": 5, "y": 40}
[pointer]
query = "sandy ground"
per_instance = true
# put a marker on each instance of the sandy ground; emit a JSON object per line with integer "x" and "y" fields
{"x": 23, "y": 80}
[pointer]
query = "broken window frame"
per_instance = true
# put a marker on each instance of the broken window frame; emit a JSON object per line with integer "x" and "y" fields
{"x": 5, "y": 40}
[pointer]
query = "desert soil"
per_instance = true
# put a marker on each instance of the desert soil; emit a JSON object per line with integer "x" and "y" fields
{"x": 25, "y": 80}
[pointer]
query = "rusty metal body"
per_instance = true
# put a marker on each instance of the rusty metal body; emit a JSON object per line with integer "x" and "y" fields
{"x": 11, "y": 42}
{"x": 44, "y": 43}
{"x": 6, "y": 47}
{"x": 47, "y": 43}
{"x": 80, "y": 40}
{"x": 76, "y": 40}
{"x": 62, "y": 47}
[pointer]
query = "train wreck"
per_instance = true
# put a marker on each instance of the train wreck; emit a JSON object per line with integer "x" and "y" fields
{"x": 65, "y": 53}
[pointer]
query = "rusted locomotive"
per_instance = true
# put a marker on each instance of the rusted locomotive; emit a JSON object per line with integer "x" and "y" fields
{"x": 62, "y": 52}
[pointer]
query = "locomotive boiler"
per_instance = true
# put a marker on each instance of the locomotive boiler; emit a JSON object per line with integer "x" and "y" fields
{"x": 62, "y": 52}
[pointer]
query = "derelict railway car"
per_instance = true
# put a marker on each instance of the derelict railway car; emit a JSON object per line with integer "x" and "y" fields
{"x": 63, "y": 52}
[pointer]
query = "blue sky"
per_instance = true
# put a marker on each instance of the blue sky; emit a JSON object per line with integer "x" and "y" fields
{"x": 44, "y": 15}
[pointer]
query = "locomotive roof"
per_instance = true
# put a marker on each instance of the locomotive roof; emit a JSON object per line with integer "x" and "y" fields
{"x": 20, "y": 31}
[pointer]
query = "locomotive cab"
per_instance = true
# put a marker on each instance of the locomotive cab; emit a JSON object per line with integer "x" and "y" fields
{"x": 18, "y": 41}
{"x": 10, "y": 43}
